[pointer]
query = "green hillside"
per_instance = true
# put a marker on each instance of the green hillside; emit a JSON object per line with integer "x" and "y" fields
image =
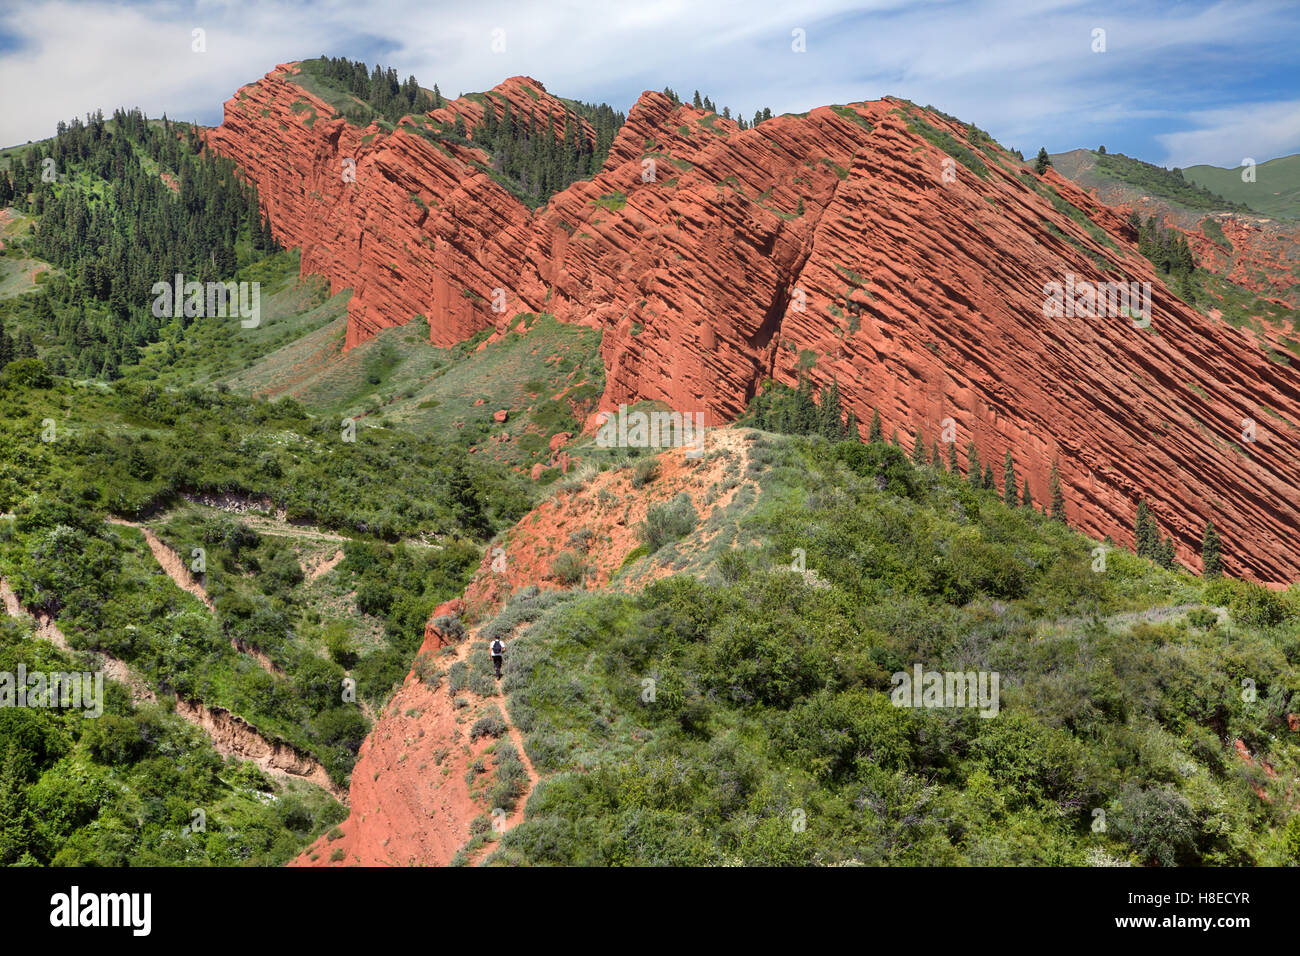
{"x": 1275, "y": 191}
{"x": 1093, "y": 167}
{"x": 771, "y": 737}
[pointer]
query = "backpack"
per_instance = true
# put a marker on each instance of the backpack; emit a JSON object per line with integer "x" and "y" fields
{"x": 497, "y": 648}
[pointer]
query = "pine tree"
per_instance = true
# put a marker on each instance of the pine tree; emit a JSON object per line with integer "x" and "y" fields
{"x": 852, "y": 432}
{"x": 987, "y": 483}
{"x": 1057, "y": 512}
{"x": 1042, "y": 162}
{"x": 935, "y": 461}
{"x": 1145, "y": 533}
{"x": 952, "y": 458}
{"x": 918, "y": 449}
{"x": 807, "y": 417}
{"x": 973, "y": 473}
{"x": 1009, "y": 496}
{"x": 1211, "y": 561}
{"x": 6, "y": 348}
{"x": 1167, "y": 552}
{"x": 877, "y": 433}
{"x": 465, "y": 503}
{"x": 832, "y": 413}
{"x": 696, "y": 102}
{"x": 1027, "y": 499}
{"x": 893, "y": 439}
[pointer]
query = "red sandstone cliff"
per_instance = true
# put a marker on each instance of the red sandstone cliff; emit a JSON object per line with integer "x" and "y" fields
{"x": 839, "y": 238}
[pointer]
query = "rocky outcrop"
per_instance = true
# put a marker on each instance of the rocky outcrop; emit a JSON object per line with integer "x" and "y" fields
{"x": 843, "y": 242}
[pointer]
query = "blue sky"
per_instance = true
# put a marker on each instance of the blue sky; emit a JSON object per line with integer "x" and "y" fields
{"x": 1178, "y": 83}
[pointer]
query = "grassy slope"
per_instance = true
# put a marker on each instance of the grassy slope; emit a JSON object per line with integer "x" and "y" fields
{"x": 1275, "y": 191}
{"x": 771, "y": 737}
{"x": 20, "y": 272}
{"x": 1092, "y": 168}
{"x": 221, "y": 349}
{"x": 399, "y": 379}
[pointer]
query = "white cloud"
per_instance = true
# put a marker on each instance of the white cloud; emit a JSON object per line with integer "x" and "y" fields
{"x": 1024, "y": 71}
{"x": 1225, "y": 137}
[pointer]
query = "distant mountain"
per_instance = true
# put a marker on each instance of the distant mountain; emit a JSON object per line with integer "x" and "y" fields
{"x": 1275, "y": 190}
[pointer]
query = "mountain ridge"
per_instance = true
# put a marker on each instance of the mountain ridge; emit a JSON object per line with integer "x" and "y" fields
{"x": 693, "y": 275}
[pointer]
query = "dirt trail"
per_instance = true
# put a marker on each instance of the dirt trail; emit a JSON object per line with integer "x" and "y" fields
{"x": 230, "y": 734}
{"x": 418, "y": 787}
{"x": 252, "y": 512}
{"x": 517, "y": 739}
{"x": 415, "y": 778}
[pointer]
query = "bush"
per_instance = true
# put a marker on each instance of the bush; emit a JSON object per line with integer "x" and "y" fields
{"x": 1160, "y": 825}
{"x": 27, "y": 372}
{"x": 732, "y": 567}
{"x": 450, "y": 627}
{"x": 457, "y": 676}
{"x": 1251, "y": 605}
{"x": 568, "y": 568}
{"x": 489, "y": 725}
{"x": 669, "y": 522}
{"x": 645, "y": 472}
{"x": 881, "y": 461}
{"x": 426, "y": 668}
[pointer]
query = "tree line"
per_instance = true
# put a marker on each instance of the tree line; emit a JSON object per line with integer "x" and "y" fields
{"x": 378, "y": 88}
{"x": 110, "y": 220}
{"x": 704, "y": 103}
{"x": 808, "y": 410}
{"x": 539, "y": 154}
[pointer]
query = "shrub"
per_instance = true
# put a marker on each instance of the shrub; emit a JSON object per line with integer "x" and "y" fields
{"x": 645, "y": 472}
{"x": 427, "y": 670}
{"x": 28, "y": 372}
{"x": 450, "y": 627}
{"x": 669, "y": 522}
{"x": 1251, "y": 604}
{"x": 732, "y": 567}
{"x": 880, "y": 461}
{"x": 457, "y": 676}
{"x": 1160, "y": 825}
{"x": 489, "y": 725}
{"x": 511, "y": 779}
{"x": 568, "y": 568}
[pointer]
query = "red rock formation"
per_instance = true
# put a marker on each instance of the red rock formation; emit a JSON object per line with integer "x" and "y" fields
{"x": 840, "y": 240}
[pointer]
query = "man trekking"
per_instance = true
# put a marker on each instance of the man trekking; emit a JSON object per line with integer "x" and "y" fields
{"x": 497, "y": 650}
